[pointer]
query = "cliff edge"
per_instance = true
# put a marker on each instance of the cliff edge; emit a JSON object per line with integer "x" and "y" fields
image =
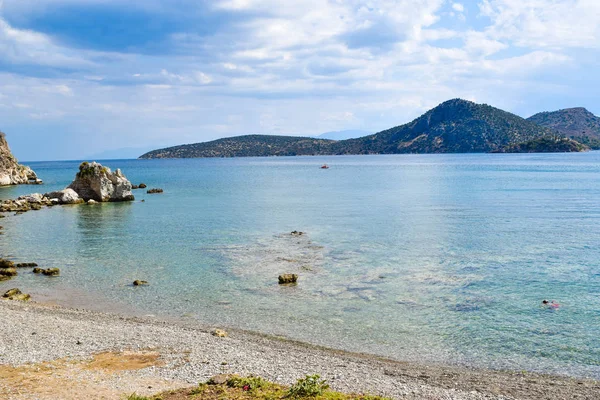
{"x": 11, "y": 172}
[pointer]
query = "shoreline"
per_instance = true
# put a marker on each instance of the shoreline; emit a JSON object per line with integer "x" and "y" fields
{"x": 35, "y": 334}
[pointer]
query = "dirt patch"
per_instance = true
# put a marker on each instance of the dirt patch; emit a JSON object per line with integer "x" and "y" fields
{"x": 107, "y": 376}
{"x": 126, "y": 361}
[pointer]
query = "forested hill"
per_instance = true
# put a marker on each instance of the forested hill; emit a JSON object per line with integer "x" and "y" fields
{"x": 576, "y": 123}
{"x": 247, "y": 146}
{"x": 455, "y": 126}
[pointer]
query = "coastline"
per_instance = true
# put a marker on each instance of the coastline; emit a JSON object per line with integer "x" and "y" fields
{"x": 62, "y": 341}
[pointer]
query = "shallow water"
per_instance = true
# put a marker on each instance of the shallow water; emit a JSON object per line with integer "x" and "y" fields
{"x": 437, "y": 258}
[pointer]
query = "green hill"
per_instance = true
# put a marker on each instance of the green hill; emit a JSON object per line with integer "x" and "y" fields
{"x": 546, "y": 144}
{"x": 576, "y": 123}
{"x": 455, "y": 126}
{"x": 247, "y": 146}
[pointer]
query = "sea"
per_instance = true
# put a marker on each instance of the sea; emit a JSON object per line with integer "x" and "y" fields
{"x": 441, "y": 259}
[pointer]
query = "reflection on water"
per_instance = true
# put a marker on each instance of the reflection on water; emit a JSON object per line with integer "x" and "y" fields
{"x": 442, "y": 258}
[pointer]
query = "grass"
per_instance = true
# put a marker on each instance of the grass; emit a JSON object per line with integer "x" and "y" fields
{"x": 311, "y": 387}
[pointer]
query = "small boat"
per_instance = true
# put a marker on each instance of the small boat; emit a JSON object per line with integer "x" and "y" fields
{"x": 324, "y": 166}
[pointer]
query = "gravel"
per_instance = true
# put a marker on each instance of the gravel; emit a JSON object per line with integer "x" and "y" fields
{"x": 35, "y": 333}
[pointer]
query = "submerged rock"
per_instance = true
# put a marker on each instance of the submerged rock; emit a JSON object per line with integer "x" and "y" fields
{"x": 8, "y": 272}
{"x": 288, "y": 278}
{"x": 99, "y": 183}
{"x": 140, "y": 283}
{"x": 16, "y": 294}
{"x": 26, "y": 265}
{"x": 51, "y": 272}
{"x": 155, "y": 191}
{"x": 38, "y": 270}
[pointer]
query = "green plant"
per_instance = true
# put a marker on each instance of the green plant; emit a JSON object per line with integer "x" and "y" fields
{"x": 309, "y": 386}
{"x": 250, "y": 383}
{"x": 134, "y": 396}
{"x": 199, "y": 390}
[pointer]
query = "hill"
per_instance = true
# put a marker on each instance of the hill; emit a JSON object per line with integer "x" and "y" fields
{"x": 455, "y": 126}
{"x": 576, "y": 123}
{"x": 247, "y": 146}
{"x": 546, "y": 144}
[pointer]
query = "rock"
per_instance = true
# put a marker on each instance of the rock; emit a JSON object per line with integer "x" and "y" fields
{"x": 16, "y": 294}
{"x": 51, "y": 272}
{"x": 26, "y": 265}
{"x": 297, "y": 233}
{"x": 6, "y": 263}
{"x": 219, "y": 333}
{"x": 92, "y": 201}
{"x": 154, "y": 191}
{"x": 93, "y": 181}
{"x": 5, "y": 278}
{"x": 135, "y": 187}
{"x": 219, "y": 379}
{"x": 11, "y": 172}
{"x": 288, "y": 278}
{"x": 142, "y": 186}
{"x": 34, "y": 198}
{"x": 8, "y": 272}
{"x": 66, "y": 196}
{"x": 140, "y": 283}
{"x": 37, "y": 270}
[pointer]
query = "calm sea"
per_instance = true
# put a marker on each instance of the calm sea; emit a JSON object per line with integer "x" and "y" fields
{"x": 436, "y": 258}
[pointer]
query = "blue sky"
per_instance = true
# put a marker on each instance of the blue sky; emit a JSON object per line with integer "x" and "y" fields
{"x": 82, "y": 77}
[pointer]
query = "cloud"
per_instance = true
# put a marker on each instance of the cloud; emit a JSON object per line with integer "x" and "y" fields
{"x": 253, "y": 66}
{"x": 544, "y": 23}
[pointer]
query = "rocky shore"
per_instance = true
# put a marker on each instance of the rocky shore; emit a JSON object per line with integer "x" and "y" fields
{"x": 11, "y": 172}
{"x": 48, "y": 352}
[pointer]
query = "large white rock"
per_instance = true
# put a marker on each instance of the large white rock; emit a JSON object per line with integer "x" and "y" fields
{"x": 95, "y": 182}
{"x": 66, "y": 196}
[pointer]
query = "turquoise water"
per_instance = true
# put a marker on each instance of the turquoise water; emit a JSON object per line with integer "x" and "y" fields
{"x": 437, "y": 258}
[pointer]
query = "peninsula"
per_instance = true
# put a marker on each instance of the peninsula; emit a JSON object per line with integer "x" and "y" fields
{"x": 455, "y": 126}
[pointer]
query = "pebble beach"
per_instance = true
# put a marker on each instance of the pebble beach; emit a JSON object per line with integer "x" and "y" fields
{"x": 49, "y": 352}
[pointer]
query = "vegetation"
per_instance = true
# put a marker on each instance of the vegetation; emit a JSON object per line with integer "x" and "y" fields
{"x": 455, "y": 126}
{"x": 311, "y": 387}
{"x": 546, "y": 144}
{"x": 576, "y": 123}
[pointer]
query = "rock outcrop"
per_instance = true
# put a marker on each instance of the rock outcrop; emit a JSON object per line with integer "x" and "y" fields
{"x": 66, "y": 196}
{"x": 98, "y": 183}
{"x": 11, "y": 172}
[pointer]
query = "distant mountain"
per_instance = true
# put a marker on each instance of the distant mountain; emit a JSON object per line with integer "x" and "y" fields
{"x": 247, "y": 146}
{"x": 343, "y": 135}
{"x": 576, "y": 123}
{"x": 546, "y": 144}
{"x": 455, "y": 126}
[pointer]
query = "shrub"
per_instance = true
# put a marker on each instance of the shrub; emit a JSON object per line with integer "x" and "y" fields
{"x": 309, "y": 386}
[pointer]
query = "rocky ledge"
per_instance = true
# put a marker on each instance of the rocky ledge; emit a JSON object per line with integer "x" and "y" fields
{"x": 11, "y": 172}
{"x": 93, "y": 183}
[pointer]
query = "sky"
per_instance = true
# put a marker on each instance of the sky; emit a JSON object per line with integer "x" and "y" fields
{"x": 83, "y": 77}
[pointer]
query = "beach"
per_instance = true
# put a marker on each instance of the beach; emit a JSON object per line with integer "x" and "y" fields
{"x": 49, "y": 352}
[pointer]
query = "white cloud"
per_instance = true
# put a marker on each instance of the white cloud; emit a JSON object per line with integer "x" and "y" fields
{"x": 458, "y": 7}
{"x": 545, "y": 23}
